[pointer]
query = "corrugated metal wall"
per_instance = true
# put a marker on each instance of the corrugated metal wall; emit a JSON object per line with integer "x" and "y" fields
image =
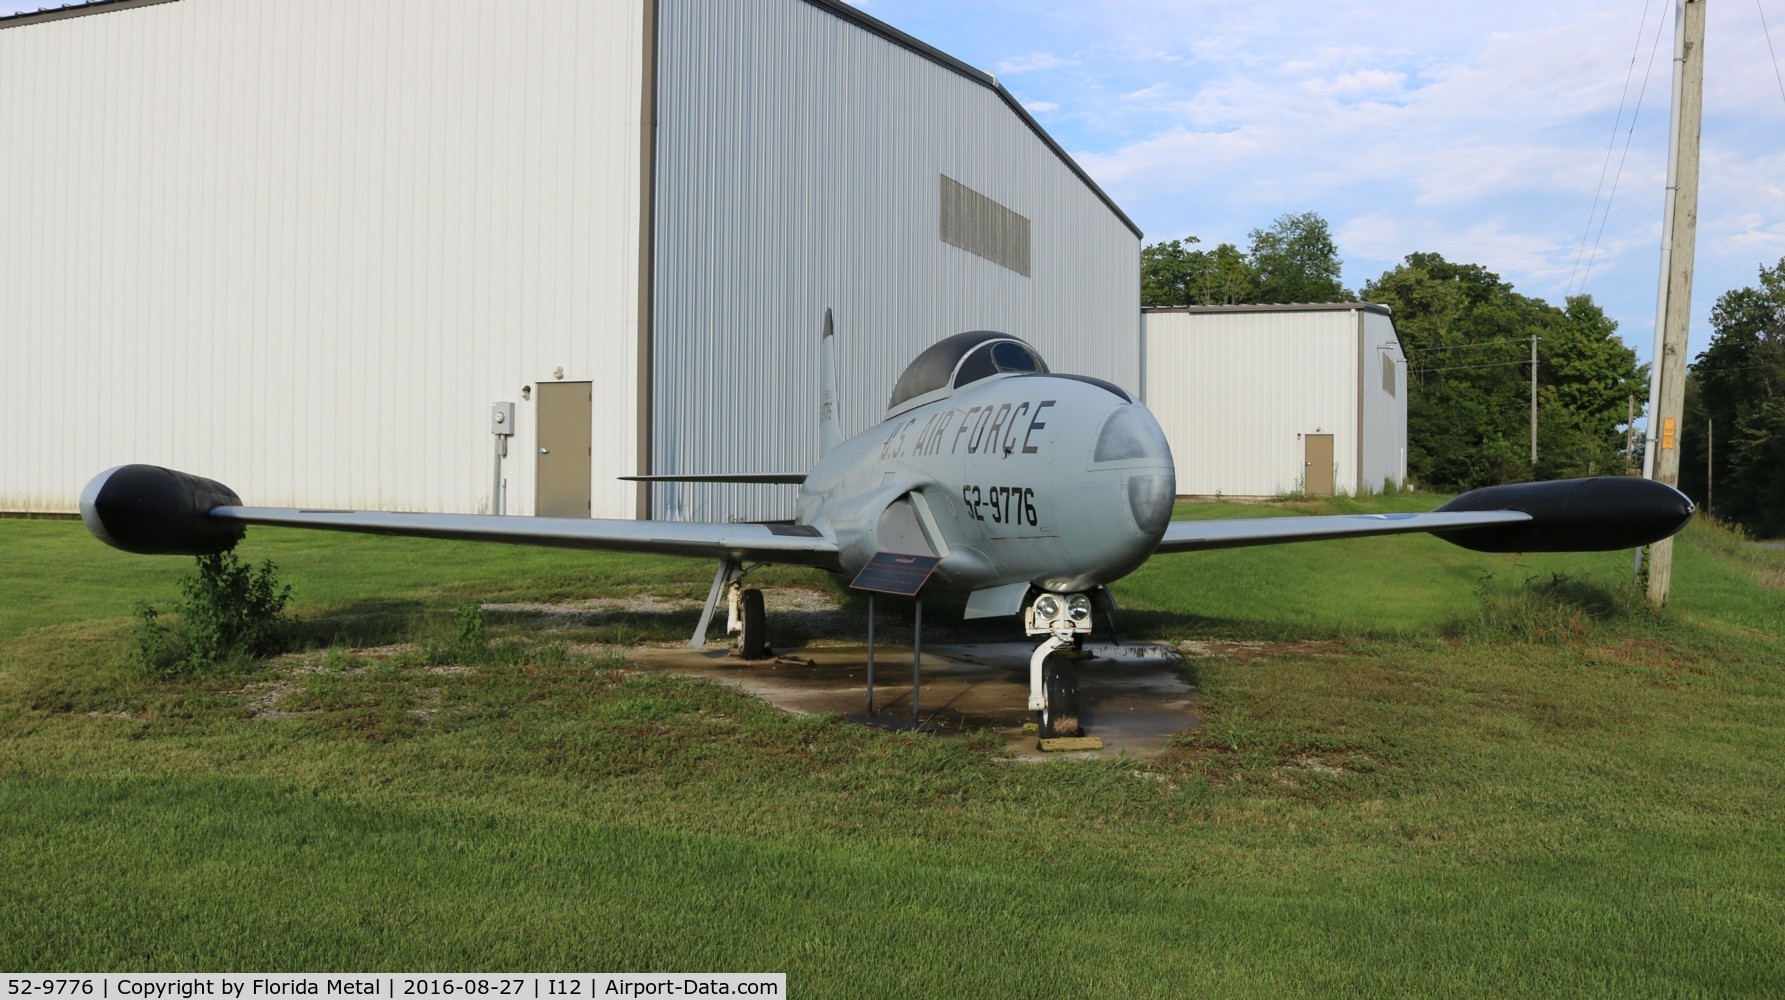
{"x": 1237, "y": 390}
{"x": 300, "y": 245}
{"x": 799, "y": 167}
{"x": 1385, "y": 404}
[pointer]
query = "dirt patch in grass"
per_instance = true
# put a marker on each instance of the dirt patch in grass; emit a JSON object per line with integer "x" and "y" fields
{"x": 797, "y": 611}
{"x": 1246, "y": 651}
{"x": 261, "y": 699}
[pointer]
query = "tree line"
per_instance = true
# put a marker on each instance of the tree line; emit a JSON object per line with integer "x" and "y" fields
{"x": 1732, "y": 444}
{"x": 1466, "y": 335}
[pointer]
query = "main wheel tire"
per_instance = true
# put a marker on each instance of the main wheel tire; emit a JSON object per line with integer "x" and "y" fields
{"x": 1059, "y": 680}
{"x": 753, "y": 643}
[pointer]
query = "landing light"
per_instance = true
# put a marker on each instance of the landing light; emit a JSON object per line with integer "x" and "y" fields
{"x": 1078, "y": 607}
{"x": 1047, "y": 606}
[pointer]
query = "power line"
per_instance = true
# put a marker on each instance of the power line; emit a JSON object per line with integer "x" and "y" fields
{"x": 1769, "y": 49}
{"x": 1472, "y": 343}
{"x": 1695, "y": 369}
{"x": 1648, "y": 71}
{"x": 1461, "y": 368}
{"x": 1612, "y": 142}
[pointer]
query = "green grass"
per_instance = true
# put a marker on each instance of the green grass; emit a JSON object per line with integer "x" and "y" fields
{"x": 1429, "y": 771}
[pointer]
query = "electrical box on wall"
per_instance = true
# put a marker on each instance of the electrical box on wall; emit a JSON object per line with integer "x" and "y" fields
{"x": 502, "y": 418}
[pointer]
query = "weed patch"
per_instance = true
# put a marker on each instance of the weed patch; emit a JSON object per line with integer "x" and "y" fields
{"x": 1554, "y": 610}
{"x": 231, "y": 613}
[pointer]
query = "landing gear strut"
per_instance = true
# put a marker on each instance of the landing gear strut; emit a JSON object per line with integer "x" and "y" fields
{"x": 1059, "y": 713}
{"x": 1053, "y": 675}
{"x": 744, "y": 615}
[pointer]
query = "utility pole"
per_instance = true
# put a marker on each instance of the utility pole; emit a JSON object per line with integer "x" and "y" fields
{"x": 1533, "y": 402}
{"x": 1668, "y": 384}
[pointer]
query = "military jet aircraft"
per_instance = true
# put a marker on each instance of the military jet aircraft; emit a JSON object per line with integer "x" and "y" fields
{"x": 1030, "y": 490}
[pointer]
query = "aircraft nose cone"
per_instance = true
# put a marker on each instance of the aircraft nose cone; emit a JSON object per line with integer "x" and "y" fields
{"x": 1150, "y": 500}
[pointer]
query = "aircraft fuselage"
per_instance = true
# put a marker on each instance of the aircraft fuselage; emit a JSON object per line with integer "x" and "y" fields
{"x": 1057, "y": 481}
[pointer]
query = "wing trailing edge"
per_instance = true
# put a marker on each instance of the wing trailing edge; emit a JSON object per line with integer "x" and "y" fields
{"x": 155, "y": 511}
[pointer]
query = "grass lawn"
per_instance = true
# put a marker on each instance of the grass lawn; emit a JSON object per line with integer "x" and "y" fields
{"x": 1425, "y": 771}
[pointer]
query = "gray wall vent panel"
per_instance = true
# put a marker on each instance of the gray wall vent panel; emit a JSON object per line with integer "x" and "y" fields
{"x": 983, "y": 227}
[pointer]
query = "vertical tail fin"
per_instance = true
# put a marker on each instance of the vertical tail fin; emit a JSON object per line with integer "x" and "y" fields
{"x": 830, "y": 432}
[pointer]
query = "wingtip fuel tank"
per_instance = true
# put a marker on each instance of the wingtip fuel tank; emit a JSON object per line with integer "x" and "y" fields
{"x": 1574, "y": 515}
{"x": 150, "y": 510}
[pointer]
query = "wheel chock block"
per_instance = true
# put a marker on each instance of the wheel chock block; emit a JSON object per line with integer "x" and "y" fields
{"x": 1066, "y": 743}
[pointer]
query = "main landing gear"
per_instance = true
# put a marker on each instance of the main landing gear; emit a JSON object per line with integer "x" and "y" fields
{"x": 1053, "y": 671}
{"x": 753, "y": 639}
{"x": 744, "y": 615}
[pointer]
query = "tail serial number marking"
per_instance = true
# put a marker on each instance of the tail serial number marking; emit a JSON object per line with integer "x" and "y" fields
{"x": 1001, "y": 504}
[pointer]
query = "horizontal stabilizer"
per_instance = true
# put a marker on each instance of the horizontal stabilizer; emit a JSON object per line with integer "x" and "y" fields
{"x": 1574, "y": 515}
{"x": 783, "y": 478}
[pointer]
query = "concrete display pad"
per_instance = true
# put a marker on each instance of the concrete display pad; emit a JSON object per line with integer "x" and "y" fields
{"x": 1133, "y": 697}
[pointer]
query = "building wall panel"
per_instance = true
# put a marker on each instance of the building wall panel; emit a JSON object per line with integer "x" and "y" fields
{"x": 799, "y": 167}
{"x": 300, "y": 245}
{"x": 1385, "y": 404}
{"x": 1237, "y": 390}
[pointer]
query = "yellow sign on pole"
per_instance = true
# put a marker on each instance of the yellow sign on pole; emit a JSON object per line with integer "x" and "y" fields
{"x": 1667, "y": 426}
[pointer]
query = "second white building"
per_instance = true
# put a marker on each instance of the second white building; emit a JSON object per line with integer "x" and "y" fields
{"x": 1262, "y": 401}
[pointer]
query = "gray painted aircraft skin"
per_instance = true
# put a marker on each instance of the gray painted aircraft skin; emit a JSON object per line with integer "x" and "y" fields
{"x": 1033, "y": 490}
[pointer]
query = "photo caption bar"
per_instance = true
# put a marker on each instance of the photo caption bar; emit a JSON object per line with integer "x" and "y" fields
{"x": 394, "y": 986}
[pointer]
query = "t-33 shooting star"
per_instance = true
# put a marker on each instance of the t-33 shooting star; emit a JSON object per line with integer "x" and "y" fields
{"x": 1032, "y": 491}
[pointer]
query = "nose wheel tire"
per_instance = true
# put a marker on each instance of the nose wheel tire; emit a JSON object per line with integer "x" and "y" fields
{"x": 753, "y": 641}
{"x": 1059, "y": 678}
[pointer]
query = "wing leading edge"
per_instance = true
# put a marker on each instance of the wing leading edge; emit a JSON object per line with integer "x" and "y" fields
{"x": 1563, "y": 515}
{"x": 792, "y": 544}
{"x": 156, "y": 511}
{"x": 1196, "y": 536}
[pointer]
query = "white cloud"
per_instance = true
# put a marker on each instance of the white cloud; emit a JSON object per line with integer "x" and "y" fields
{"x": 1032, "y": 63}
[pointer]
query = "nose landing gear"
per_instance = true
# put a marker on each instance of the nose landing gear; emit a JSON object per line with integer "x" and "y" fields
{"x": 1053, "y": 673}
{"x": 1059, "y": 708}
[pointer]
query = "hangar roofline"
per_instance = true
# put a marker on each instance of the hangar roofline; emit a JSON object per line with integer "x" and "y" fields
{"x": 1375, "y": 307}
{"x": 984, "y": 79}
{"x": 836, "y": 8}
{"x": 62, "y": 13}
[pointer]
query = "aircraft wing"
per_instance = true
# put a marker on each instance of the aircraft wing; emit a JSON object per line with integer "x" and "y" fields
{"x": 1195, "y": 536}
{"x": 795, "y": 544}
{"x": 1564, "y": 515}
{"x": 151, "y": 510}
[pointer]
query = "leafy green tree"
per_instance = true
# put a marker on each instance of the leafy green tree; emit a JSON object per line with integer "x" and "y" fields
{"x": 1173, "y": 274}
{"x": 1737, "y": 386}
{"x": 1168, "y": 273}
{"x": 1466, "y": 335}
{"x": 1297, "y": 261}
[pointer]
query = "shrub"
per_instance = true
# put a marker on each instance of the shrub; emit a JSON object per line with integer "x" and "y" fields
{"x": 1553, "y": 611}
{"x": 231, "y": 613}
{"x": 470, "y": 628}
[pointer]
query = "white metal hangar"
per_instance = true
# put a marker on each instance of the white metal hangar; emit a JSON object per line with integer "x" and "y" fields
{"x": 1271, "y": 400}
{"x": 302, "y": 246}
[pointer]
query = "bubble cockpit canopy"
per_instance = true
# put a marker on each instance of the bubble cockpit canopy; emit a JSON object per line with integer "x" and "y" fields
{"x": 955, "y": 361}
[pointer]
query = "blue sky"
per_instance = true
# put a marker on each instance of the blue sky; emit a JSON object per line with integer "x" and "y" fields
{"x": 1476, "y": 130}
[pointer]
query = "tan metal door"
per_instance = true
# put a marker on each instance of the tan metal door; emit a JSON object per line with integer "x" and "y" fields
{"x": 565, "y": 417}
{"x": 1317, "y": 468}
